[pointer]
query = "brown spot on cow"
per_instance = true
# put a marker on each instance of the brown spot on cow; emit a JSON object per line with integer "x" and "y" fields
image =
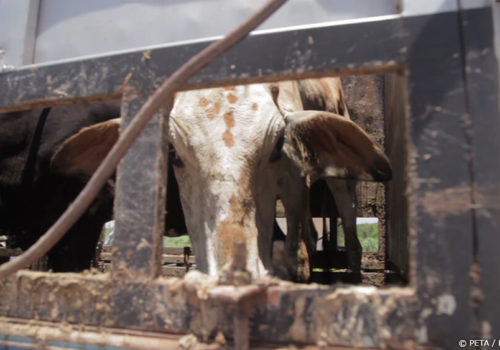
{"x": 228, "y": 138}
{"x": 229, "y": 234}
{"x": 229, "y": 119}
{"x": 231, "y": 230}
{"x": 213, "y": 110}
{"x": 232, "y": 98}
{"x": 255, "y": 106}
{"x": 203, "y": 102}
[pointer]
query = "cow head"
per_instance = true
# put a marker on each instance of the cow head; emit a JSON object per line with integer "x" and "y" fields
{"x": 241, "y": 148}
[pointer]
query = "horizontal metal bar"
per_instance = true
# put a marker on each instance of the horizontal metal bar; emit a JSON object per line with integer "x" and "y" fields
{"x": 271, "y": 56}
{"x": 281, "y": 311}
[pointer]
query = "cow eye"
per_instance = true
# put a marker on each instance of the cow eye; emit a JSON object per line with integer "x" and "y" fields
{"x": 174, "y": 158}
{"x": 276, "y": 154}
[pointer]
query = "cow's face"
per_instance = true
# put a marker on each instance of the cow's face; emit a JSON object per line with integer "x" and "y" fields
{"x": 237, "y": 151}
{"x": 226, "y": 141}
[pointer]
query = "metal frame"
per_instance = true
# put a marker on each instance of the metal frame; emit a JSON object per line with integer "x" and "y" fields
{"x": 452, "y": 187}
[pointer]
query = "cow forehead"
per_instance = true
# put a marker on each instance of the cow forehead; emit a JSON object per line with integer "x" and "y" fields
{"x": 227, "y": 121}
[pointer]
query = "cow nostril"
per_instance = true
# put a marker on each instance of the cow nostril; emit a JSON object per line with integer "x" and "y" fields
{"x": 382, "y": 170}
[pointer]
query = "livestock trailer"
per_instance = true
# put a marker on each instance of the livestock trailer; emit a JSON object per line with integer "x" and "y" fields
{"x": 439, "y": 75}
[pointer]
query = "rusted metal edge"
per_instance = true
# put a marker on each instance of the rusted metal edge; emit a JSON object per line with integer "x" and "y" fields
{"x": 31, "y": 334}
{"x": 279, "y": 312}
{"x": 28, "y": 88}
{"x": 374, "y": 67}
{"x": 21, "y": 333}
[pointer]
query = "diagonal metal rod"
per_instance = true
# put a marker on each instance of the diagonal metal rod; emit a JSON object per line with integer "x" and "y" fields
{"x": 159, "y": 98}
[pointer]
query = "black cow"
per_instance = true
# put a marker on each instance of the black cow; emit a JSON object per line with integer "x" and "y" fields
{"x": 43, "y": 167}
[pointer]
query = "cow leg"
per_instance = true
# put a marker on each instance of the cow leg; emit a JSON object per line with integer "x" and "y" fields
{"x": 74, "y": 254}
{"x": 77, "y": 249}
{"x": 299, "y": 245}
{"x": 344, "y": 193}
{"x": 297, "y": 257}
{"x": 329, "y": 210}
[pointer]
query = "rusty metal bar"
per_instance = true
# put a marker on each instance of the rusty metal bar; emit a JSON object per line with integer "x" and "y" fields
{"x": 141, "y": 196}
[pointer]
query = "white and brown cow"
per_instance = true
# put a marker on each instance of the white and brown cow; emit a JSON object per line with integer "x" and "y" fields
{"x": 241, "y": 148}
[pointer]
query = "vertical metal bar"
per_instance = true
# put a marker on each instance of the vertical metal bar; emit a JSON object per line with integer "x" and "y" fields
{"x": 19, "y": 28}
{"x": 141, "y": 196}
{"x": 241, "y": 325}
{"x": 482, "y": 129}
{"x": 438, "y": 150}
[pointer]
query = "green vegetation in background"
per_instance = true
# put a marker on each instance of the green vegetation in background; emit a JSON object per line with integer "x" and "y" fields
{"x": 106, "y": 231}
{"x": 180, "y": 241}
{"x": 367, "y": 234}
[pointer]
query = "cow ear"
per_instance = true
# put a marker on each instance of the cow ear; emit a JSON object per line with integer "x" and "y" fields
{"x": 326, "y": 144}
{"x": 82, "y": 153}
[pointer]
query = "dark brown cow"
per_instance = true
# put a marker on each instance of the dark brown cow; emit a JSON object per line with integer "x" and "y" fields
{"x": 45, "y": 159}
{"x": 33, "y": 193}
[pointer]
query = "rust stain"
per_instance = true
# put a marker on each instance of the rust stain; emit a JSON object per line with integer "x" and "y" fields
{"x": 449, "y": 201}
{"x": 229, "y": 88}
{"x": 130, "y": 92}
{"x": 255, "y": 106}
{"x": 232, "y": 98}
